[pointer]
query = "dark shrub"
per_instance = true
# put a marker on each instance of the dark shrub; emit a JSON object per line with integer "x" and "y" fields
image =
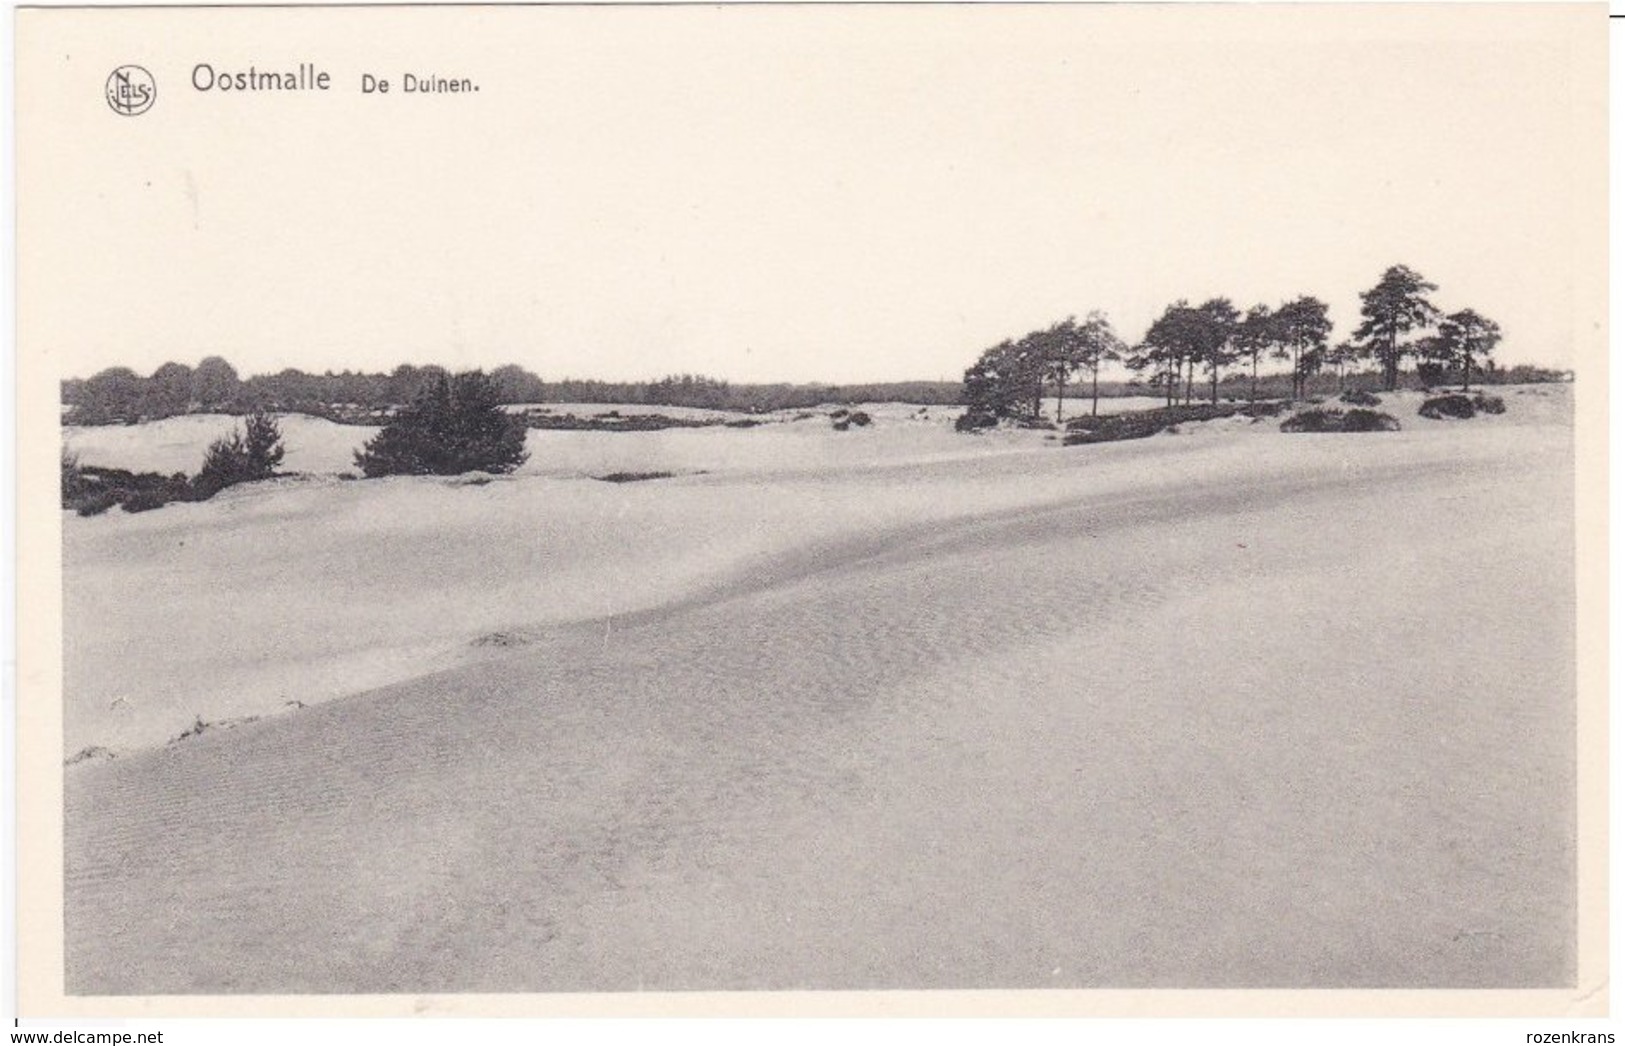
{"x": 1359, "y": 420}
{"x": 1489, "y": 404}
{"x": 1360, "y": 398}
{"x": 146, "y": 501}
{"x": 975, "y": 421}
{"x": 859, "y": 418}
{"x": 73, "y": 481}
{"x": 452, "y": 426}
{"x": 1315, "y": 419}
{"x": 1430, "y": 374}
{"x": 1323, "y": 419}
{"x": 1454, "y": 405}
{"x": 99, "y": 489}
{"x": 95, "y": 503}
{"x": 1139, "y": 424}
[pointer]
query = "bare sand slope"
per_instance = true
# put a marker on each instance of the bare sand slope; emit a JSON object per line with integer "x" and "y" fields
{"x": 308, "y": 590}
{"x": 318, "y": 446}
{"x": 1305, "y": 724}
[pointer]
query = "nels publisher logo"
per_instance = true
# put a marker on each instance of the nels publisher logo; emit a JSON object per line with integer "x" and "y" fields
{"x": 131, "y": 90}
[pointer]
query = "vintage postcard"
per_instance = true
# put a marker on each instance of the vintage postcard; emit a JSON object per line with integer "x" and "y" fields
{"x": 1037, "y": 508}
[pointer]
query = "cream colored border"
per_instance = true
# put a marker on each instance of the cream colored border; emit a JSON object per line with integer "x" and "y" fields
{"x": 41, "y": 992}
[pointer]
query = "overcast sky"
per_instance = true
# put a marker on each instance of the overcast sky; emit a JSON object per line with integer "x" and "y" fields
{"x": 795, "y": 193}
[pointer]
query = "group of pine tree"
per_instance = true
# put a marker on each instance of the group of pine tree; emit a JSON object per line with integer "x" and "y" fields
{"x": 1190, "y": 343}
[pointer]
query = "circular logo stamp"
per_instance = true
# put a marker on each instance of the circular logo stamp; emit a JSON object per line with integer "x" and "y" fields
{"x": 131, "y": 90}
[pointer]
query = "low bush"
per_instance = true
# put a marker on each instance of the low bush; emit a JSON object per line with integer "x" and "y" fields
{"x": 95, "y": 490}
{"x": 1487, "y": 404}
{"x": 1330, "y": 419}
{"x": 146, "y": 501}
{"x": 975, "y": 421}
{"x": 1139, "y": 424}
{"x": 633, "y": 477}
{"x": 1315, "y": 419}
{"x": 1360, "y": 420}
{"x": 94, "y": 504}
{"x": 1360, "y": 398}
{"x": 73, "y": 479}
{"x": 1453, "y": 405}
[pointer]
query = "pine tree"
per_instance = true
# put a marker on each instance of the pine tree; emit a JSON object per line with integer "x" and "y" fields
{"x": 263, "y": 447}
{"x": 453, "y": 425}
{"x": 1465, "y": 339}
{"x": 241, "y": 458}
{"x": 1396, "y": 306}
{"x": 1301, "y": 330}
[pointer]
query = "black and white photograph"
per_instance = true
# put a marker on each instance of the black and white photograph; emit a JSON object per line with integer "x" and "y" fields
{"x": 836, "y": 499}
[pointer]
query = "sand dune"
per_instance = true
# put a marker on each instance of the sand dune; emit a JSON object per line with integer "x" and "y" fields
{"x": 320, "y": 447}
{"x": 1234, "y": 710}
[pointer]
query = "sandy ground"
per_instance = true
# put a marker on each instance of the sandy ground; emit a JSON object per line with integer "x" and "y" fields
{"x": 790, "y": 437}
{"x": 1224, "y": 708}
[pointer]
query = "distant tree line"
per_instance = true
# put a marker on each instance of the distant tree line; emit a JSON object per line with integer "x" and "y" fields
{"x": 1210, "y": 341}
{"x": 120, "y": 395}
